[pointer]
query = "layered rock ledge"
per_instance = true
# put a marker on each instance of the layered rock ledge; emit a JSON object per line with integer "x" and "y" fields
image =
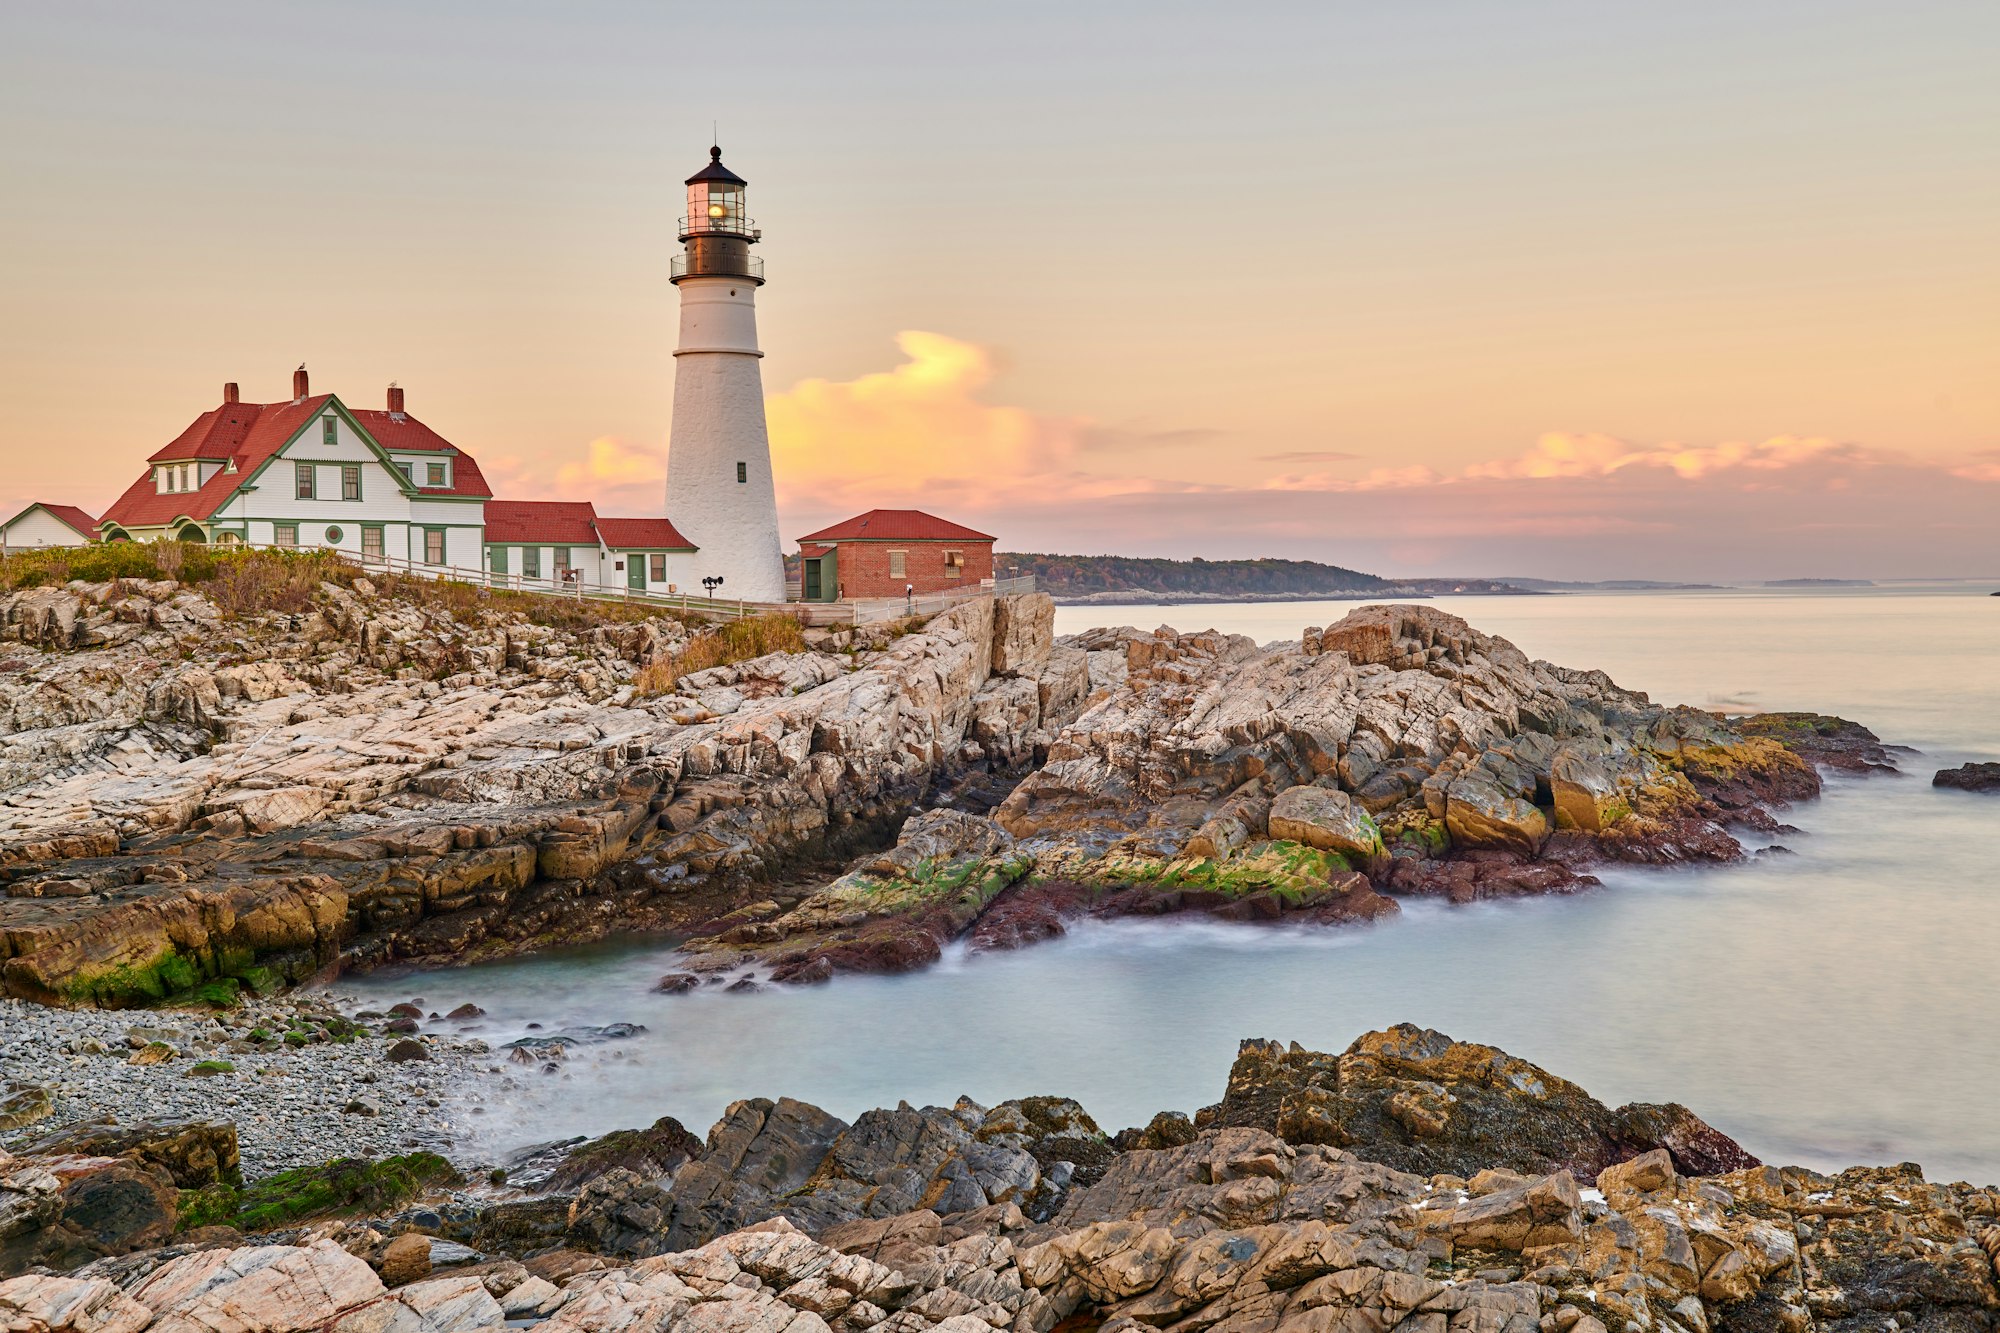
{"x": 190, "y": 799}
{"x": 1412, "y": 1184}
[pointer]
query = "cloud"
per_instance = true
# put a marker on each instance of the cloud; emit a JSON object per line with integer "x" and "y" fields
{"x": 922, "y": 436}
{"x": 1561, "y": 454}
{"x": 616, "y": 475}
{"x": 1309, "y": 456}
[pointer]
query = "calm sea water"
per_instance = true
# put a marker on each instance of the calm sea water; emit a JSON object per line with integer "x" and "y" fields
{"x": 1837, "y": 1006}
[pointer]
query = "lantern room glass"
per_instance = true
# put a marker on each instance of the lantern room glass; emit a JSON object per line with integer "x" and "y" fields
{"x": 716, "y": 206}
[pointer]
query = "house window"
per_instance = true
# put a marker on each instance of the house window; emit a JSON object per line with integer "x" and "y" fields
{"x": 496, "y": 559}
{"x": 531, "y": 562}
{"x": 742, "y": 472}
{"x": 371, "y": 544}
{"x": 658, "y": 572}
{"x": 434, "y": 474}
{"x": 305, "y": 476}
{"x": 329, "y": 431}
{"x": 898, "y": 564}
{"x": 350, "y": 481}
{"x": 562, "y": 564}
{"x": 405, "y": 469}
{"x": 285, "y": 534}
{"x": 433, "y": 546}
{"x": 954, "y": 564}
{"x": 167, "y": 478}
{"x": 187, "y": 471}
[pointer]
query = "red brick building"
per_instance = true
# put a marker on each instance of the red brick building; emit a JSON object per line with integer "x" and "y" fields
{"x": 886, "y": 552}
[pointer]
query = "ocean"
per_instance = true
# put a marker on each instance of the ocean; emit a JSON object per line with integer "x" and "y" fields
{"x": 1830, "y": 1007}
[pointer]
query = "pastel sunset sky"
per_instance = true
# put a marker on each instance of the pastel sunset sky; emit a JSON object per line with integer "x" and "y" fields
{"x": 1544, "y": 287}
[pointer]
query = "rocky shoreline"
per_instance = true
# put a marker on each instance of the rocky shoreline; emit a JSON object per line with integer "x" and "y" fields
{"x": 196, "y": 804}
{"x": 1411, "y": 1183}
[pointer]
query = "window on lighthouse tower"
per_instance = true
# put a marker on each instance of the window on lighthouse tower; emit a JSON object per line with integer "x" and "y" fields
{"x": 743, "y": 472}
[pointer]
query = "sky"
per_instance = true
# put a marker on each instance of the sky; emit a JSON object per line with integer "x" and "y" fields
{"x": 1551, "y": 287}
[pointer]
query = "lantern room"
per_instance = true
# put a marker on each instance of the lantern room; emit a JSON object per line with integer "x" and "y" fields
{"x": 715, "y": 202}
{"x": 717, "y": 233}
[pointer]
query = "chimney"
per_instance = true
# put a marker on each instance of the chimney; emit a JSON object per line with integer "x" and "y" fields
{"x": 229, "y": 393}
{"x": 300, "y": 389}
{"x": 395, "y": 400}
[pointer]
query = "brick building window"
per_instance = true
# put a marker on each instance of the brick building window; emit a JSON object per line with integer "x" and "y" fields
{"x": 899, "y": 564}
{"x": 954, "y": 564}
{"x": 305, "y": 477}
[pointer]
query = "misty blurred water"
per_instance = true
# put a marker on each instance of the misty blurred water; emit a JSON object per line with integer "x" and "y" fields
{"x": 1830, "y": 1007}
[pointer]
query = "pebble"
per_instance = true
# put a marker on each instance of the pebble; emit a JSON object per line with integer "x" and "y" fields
{"x": 288, "y": 1102}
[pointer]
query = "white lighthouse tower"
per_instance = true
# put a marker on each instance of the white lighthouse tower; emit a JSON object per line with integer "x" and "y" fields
{"x": 719, "y": 489}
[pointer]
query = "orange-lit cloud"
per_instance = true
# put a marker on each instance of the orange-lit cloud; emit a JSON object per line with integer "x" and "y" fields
{"x": 621, "y": 478}
{"x": 919, "y": 435}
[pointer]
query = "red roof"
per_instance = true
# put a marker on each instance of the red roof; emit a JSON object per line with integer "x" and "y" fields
{"x": 556, "y": 522}
{"x": 896, "y": 525}
{"x": 642, "y": 534}
{"x": 812, "y": 550}
{"x": 250, "y": 433}
{"x": 399, "y": 432}
{"x": 575, "y": 523}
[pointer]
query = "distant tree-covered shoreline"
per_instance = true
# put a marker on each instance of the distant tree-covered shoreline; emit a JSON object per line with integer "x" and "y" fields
{"x": 1082, "y": 575}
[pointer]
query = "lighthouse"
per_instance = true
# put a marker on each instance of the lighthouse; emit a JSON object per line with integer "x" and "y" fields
{"x": 719, "y": 489}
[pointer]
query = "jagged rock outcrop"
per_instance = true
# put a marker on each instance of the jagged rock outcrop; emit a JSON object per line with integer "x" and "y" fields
{"x": 190, "y": 796}
{"x": 1399, "y": 751}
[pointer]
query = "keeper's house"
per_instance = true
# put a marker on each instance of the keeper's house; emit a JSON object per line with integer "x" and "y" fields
{"x": 311, "y": 472}
{"x": 379, "y": 485}
{"x": 887, "y": 552}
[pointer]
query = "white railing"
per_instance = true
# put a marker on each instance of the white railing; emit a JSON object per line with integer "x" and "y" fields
{"x": 869, "y": 611}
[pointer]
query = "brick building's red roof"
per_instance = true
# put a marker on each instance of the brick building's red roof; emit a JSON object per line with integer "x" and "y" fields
{"x": 250, "y": 433}
{"x": 642, "y": 534}
{"x": 896, "y": 525}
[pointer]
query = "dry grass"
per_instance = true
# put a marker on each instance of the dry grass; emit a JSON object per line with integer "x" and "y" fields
{"x": 245, "y": 582}
{"x": 735, "y": 641}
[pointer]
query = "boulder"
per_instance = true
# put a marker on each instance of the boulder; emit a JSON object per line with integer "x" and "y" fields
{"x": 405, "y": 1259}
{"x": 23, "y": 1103}
{"x": 1329, "y": 819}
{"x": 1417, "y": 1100}
{"x": 1479, "y": 814}
{"x": 1969, "y": 777}
{"x": 195, "y": 1152}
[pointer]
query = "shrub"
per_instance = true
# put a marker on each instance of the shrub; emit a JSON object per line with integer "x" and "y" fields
{"x": 734, "y": 641}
